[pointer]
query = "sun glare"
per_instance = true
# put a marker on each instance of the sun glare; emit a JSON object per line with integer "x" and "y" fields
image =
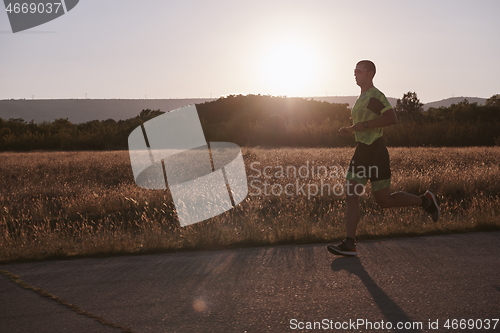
{"x": 288, "y": 68}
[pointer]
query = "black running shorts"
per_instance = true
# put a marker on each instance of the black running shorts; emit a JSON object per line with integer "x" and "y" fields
{"x": 371, "y": 162}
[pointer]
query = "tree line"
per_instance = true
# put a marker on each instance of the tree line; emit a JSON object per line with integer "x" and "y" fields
{"x": 257, "y": 120}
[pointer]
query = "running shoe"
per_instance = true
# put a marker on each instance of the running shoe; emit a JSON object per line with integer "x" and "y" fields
{"x": 343, "y": 249}
{"x": 432, "y": 206}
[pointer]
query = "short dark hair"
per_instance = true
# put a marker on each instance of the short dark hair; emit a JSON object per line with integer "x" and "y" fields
{"x": 369, "y": 65}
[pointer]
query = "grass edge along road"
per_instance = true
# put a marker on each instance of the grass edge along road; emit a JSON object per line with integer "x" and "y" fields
{"x": 75, "y": 204}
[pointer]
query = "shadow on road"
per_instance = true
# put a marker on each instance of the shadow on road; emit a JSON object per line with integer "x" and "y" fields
{"x": 387, "y": 306}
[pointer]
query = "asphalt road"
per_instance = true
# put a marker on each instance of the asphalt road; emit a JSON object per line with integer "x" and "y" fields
{"x": 269, "y": 289}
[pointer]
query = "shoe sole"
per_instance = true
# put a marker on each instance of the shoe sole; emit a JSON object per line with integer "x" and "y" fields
{"x": 433, "y": 198}
{"x": 340, "y": 252}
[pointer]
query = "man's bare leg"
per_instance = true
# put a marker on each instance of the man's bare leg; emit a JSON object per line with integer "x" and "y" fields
{"x": 386, "y": 199}
{"x": 352, "y": 213}
{"x": 352, "y": 216}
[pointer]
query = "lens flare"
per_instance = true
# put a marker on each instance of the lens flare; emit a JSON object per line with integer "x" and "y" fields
{"x": 199, "y": 305}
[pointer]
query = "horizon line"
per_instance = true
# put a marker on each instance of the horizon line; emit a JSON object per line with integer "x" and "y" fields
{"x": 213, "y": 98}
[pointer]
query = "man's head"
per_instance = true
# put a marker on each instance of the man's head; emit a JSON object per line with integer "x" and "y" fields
{"x": 364, "y": 72}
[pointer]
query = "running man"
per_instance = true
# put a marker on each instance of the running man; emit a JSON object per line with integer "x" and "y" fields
{"x": 371, "y": 112}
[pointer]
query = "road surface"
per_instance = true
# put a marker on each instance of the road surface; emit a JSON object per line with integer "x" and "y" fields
{"x": 410, "y": 282}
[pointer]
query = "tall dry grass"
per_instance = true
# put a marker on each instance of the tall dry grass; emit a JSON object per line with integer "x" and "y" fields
{"x": 64, "y": 204}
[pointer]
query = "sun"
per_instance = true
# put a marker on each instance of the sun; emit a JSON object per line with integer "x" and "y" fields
{"x": 288, "y": 68}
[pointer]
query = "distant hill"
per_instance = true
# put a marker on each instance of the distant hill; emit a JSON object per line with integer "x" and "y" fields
{"x": 445, "y": 102}
{"x": 83, "y": 110}
{"x": 454, "y": 100}
{"x": 347, "y": 100}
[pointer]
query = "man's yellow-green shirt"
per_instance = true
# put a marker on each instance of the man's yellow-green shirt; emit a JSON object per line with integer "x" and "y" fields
{"x": 369, "y": 106}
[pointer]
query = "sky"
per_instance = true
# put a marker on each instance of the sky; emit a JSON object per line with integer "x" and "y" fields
{"x": 200, "y": 49}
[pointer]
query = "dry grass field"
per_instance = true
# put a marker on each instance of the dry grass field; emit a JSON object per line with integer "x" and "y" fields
{"x": 70, "y": 204}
